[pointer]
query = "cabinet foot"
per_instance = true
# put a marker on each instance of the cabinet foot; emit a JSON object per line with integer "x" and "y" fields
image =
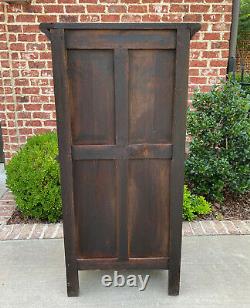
{"x": 72, "y": 282}
{"x": 174, "y": 282}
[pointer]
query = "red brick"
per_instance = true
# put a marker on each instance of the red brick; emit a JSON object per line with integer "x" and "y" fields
{"x": 226, "y": 36}
{"x": 197, "y": 8}
{"x": 221, "y": 8}
{"x": 96, "y": 8}
{"x": 195, "y": 54}
{"x": 213, "y": 17}
{"x": 26, "y": 37}
{"x": 53, "y": 9}
{"x": 218, "y": 63}
{"x": 110, "y": 18}
{"x": 40, "y": 115}
{"x": 36, "y": 107}
{"x": 211, "y": 36}
{"x": 75, "y": 9}
{"x": 25, "y": 18}
{"x": 33, "y": 8}
{"x": 224, "y": 53}
{"x": 108, "y": 1}
{"x": 24, "y": 115}
{"x": 214, "y": 1}
{"x": 179, "y": 8}
{"x": 36, "y": 64}
{"x": 50, "y": 123}
{"x": 40, "y": 130}
{"x": 151, "y": 18}
{"x": 137, "y": 8}
{"x": 172, "y": 18}
{"x": 198, "y": 45}
{"x": 33, "y": 123}
{"x": 14, "y": 28}
{"x": 17, "y": 46}
{"x": 219, "y": 45}
{"x": 25, "y": 131}
{"x": 227, "y": 17}
{"x": 210, "y": 54}
{"x": 150, "y": 1}
{"x": 158, "y": 8}
{"x": 198, "y": 80}
{"x": 48, "y": 1}
{"x": 198, "y": 63}
{"x": 192, "y": 18}
{"x": 30, "y": 28}
{"x": 90, "y": 1}
{"x": 89, "y": 18}
{"x": 117, "y": 9}
{"x": 66, "y": 1}
{"x": 67, "y": 18}
{"x": 131, "y": 18}
{"x": 220, "y": 27}
{"x": 47, "y": 18}
{"x": 193, "y": 72}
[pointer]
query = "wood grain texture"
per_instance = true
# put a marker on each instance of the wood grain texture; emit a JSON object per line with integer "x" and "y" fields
{"x": 132, "y": 263}
{"x": 151, "y": 86}
{"x": 148, "y": 208}
{"x": 177, "y": 162}
{"x": 95, "y": 200}
{"x": 131, "y": 151}
{"x": 106, "y": 39}
{"x": 92, "y": 96}
{"x": 66, "y": 172}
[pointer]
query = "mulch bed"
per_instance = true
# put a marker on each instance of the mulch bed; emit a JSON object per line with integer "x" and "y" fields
{"x": 232, "y": 208}
{"x": 18, "y": 218}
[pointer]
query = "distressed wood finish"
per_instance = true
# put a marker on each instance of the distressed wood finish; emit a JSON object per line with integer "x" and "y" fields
{"x": 61, "y": 86}
{"x": 121, "y": 93}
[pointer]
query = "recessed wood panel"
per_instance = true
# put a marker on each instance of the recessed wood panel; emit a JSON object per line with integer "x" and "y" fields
{"x": 148, "y": 208}
{"x": 95, "y": 200}
{"x": 151, "y": 86}
{"x": 91, "y": 78}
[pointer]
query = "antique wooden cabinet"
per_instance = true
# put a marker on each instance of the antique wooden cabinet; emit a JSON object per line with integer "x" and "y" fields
{"x": 121, "y": 95}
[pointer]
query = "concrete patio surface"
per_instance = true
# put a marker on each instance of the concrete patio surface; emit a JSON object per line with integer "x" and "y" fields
{"x": 215, "y": 273}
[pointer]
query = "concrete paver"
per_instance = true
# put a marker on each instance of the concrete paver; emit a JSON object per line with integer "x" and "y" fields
{"x": 2, "y": 180}
{"x": 215, "y": 273}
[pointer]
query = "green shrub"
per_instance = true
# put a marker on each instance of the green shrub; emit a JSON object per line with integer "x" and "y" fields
{"x": 194, "y": 205}
{"x": 33, "y": 177}
{"x": 246, "y": 81}
{"x": 220, "y": 146}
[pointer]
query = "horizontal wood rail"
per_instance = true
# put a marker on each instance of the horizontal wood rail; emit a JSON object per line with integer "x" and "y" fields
{"x": 134, "y": 151}
{"x": 107, "y": 39}
{"x": 114, "y": 263}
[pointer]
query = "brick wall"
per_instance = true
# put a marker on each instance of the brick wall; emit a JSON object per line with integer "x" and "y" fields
{"x": 26, "y": 86}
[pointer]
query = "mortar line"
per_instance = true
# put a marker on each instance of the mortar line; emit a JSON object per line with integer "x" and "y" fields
{"x": 14, "y": 96}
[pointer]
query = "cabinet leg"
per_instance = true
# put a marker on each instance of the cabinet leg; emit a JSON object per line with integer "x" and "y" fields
{"x": 72, "y": 281}
{"x": 174, "y": 281}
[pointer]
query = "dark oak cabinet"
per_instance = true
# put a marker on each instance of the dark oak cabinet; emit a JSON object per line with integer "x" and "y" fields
{"x": 121, "y": 95}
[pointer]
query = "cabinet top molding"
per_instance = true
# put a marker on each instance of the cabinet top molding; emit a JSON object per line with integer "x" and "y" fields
{"x": 193, "y": 27}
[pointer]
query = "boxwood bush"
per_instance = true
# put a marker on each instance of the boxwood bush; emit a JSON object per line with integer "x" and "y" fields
{"x": 220, "y": 148}
{"x": 194, "y": 205}
{"x": 33, "y": 177}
